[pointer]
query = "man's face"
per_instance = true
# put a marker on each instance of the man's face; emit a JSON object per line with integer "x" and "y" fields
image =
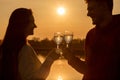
{"x": 97, "y": 12}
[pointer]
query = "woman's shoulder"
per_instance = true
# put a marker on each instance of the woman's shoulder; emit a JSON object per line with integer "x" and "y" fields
{"x": 27, "y": 50}
{"x": 27, "y": 47}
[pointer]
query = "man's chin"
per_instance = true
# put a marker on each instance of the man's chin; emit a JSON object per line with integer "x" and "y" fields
{"x": 93, "y": 23}
{"x": 31, "y": 33}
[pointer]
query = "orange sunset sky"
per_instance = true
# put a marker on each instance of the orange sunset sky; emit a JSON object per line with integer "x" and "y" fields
{"x": 48, "y": 20}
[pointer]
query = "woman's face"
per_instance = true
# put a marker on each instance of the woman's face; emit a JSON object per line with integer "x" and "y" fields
{"x": 30, "y": 28}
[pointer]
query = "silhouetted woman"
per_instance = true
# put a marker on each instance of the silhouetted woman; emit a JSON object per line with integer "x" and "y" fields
{"x": 19, "y": 60}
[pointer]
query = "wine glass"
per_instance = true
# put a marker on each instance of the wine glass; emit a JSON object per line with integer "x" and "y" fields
{"x": 68, "y": 36}
{"x": 58, "y": 38}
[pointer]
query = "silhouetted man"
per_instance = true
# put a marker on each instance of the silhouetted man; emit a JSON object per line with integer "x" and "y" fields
{"x": 102, "y": 45}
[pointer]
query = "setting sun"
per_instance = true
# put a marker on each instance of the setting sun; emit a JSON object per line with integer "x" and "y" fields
{"x": 61, "y": 10}
{"x": 60, "y": 78}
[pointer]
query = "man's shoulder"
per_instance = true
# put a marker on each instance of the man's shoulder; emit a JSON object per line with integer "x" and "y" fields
{"x": 116, "y": 15}
{"x": 90, "y": 34}
{"x": 91, "y": 31}
{"x": 116, "y": 19}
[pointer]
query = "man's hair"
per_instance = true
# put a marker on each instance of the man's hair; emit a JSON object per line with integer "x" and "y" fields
{"x": 109, "y": 3}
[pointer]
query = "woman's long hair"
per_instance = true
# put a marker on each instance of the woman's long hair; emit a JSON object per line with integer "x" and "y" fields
{"x": 13, "y": 42}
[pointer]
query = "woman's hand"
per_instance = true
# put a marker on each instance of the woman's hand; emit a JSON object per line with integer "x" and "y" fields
{"x": 53, "y": 54}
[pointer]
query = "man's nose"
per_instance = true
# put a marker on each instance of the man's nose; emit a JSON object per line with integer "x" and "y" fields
{"x": 90, "y": 12}
{"x": 35, "y": 26}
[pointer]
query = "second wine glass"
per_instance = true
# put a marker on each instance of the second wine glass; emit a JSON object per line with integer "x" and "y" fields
{"x": 68, "y": 36}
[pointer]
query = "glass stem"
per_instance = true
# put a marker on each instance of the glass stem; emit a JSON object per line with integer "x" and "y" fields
{"x": 61, "y": 55}
{"x": 67, "y": 45}
{"x": 57, "y": 46}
